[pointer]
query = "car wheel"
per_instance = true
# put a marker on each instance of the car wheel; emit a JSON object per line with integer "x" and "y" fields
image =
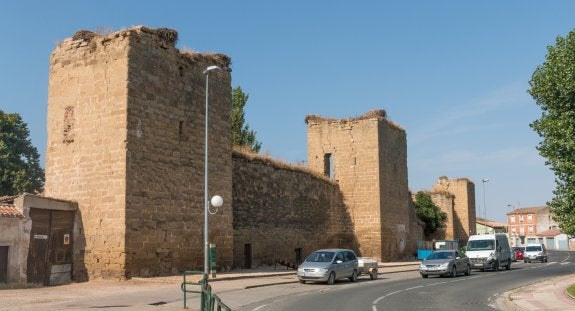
{"x": 508, "y": 267}
{"x": 425, "y": 276}
{"x": 373, "y": 274}
{"x": 545, "y": 259}
{"x": 524, "y": 261}
{"x": 468, "y": 271}
{"x": 331, "y": 278}
{"x": 353, "y": 276}
{"x": 453, "y": 272}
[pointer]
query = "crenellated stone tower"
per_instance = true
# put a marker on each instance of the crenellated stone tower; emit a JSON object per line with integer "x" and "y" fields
{"x": 126, "y": 141}
{"x": 367, "y": 157}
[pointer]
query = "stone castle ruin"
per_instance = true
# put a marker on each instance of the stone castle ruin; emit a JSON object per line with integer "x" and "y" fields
{"x": 126, "y": 142}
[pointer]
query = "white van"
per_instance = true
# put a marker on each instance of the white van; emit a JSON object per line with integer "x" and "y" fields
{"x": 489, "y": 251}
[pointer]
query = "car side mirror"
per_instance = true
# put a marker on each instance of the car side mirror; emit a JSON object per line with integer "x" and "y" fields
{"x": 338, "y": 261}
{"x": 457, "y": 257}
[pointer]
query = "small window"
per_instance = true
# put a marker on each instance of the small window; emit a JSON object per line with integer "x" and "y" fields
{"x": 512, "y": 219}
{"x": 529, "y": 217}
{"x": 530, "y": 229}
{"x": 327, "y": 165}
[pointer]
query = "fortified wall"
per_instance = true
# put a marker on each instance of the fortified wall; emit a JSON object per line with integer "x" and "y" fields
{"x": 367, "y": 158}
{"x": 284, "y": 212}
{"x": 126, "y": 141}
{"x": 462, "y": 191}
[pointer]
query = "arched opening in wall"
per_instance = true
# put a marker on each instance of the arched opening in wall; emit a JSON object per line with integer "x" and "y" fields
{"x": 328, "y": 165}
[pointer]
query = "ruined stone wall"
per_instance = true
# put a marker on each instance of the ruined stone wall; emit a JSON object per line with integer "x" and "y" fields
{"x": 366, "y": 156}
{"x": 463, "y": 191}
{"x": 280, "y": 208}
{"x": 166, "y": 112}
{"x": 444, "y": 201}
{"x": 86, "y": 156}
{"x": 416, "y": 230}
{"x": 126, "y": 141}
{"x": 394, "y": 191}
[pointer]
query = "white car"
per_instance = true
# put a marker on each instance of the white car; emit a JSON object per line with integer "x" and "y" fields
{"x": 535, "y": 252}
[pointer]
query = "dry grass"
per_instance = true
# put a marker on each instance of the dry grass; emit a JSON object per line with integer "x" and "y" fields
{"x": 246, "y": 154}
{"x": 378, "y": 114}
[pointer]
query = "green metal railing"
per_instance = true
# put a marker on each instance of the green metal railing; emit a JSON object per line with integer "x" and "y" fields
{"x": 208, "y": 301}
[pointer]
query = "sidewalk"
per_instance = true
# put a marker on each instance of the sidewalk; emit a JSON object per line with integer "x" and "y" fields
{"x": 550, "y": 294}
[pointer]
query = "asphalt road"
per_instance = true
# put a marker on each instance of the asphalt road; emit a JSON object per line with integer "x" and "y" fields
{"x": 407, "y": 290}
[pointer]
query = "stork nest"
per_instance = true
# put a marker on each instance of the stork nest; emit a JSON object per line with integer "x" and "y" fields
{"x": 169, "y": 36}
{"x": 84, "y": 35}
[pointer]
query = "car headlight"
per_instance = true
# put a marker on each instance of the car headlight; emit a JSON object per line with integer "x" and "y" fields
{"x": 491, "y": 256}
{"x": 421, "y": 266}
{"x": 445, "y": 265}
{"x": 322, "y": 270}
{"x": 299, "y": 269}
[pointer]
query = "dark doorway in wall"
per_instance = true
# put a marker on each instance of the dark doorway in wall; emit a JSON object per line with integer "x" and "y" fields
{"x": 247, "y": 256}
{"x": 3, "y": 264}
{"x": 298, "y": 256}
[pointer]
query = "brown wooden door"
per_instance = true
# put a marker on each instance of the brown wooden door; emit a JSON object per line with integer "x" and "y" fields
{"x": 3, "y": 264}
{"x": 38, "y": 253}
{"x": 50, "y": 243}
{"x": 61, "y": 226}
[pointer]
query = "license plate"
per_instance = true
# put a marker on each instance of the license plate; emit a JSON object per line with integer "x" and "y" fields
{"x": 477, "y": 265}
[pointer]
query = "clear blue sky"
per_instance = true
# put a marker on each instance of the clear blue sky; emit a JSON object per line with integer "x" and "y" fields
{"x": 454, "y": 74}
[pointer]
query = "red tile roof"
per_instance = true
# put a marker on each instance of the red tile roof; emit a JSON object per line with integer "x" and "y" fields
{"x": 10, "y": 211}
{"x": 528, "y": 210}
{"x": 550, "y": 232}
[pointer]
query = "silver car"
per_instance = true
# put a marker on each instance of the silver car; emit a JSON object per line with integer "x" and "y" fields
{"x": 328, "y": 265}
{"x": 445, "y": 262}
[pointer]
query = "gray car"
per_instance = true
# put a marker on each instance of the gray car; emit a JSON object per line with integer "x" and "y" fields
{"x": 445, "y": 263}
{"x": 328, "y": 265}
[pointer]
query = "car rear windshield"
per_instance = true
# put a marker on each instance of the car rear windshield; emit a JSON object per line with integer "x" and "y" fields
{"x": 480, "y": 245}
{"x": 320, "y": 257}
{"x": 440, "y": 255}
{"x": 535, "y": 248}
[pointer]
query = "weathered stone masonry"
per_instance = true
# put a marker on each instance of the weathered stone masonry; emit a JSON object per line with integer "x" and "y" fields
{"x": 125, "y": 140}
{"x": 367, "y": 157}
{"x": 282, "y": 210}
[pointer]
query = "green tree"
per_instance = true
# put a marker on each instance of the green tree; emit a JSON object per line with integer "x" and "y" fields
{"x": 241, "y": 133}
{"x": 20, "y": 169}
{"x": 429, "y": 213}
{"x": 553, "y": 89}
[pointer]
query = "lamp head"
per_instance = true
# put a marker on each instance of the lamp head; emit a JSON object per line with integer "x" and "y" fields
{"x": 217, "y": 201}
{"x": 211, "y": 68}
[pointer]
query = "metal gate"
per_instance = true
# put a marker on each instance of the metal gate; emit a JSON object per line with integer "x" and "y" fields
{"x": 50, "y": 254}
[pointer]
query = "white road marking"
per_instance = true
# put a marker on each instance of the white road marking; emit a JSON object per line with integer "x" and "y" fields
{"x": 375, "y": 302}
{"x": 260, "y": 307}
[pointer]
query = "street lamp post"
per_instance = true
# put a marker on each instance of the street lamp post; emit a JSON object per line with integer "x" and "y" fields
{"x": 216, "y": 201}
{"x": 484, "y": 206}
